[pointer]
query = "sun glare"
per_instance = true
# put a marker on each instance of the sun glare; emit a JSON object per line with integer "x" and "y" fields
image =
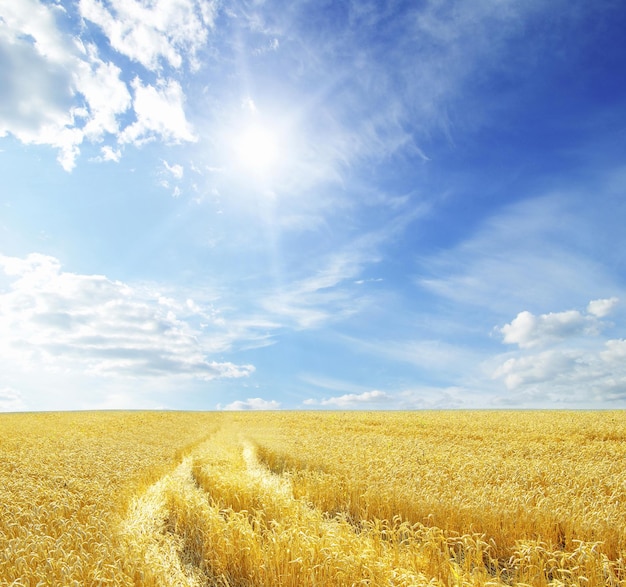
{"x": 257, "y": 150}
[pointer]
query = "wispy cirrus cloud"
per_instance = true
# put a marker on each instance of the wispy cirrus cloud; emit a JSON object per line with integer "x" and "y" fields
{"x": 305, "y": 304}
{"x": 372, "y": 98}
{"x": 331, "y": 286}
{"x": 328, "y": 293}
{"x": 530, "y": 253}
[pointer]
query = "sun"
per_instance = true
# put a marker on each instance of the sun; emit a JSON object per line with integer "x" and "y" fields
{"x": 257, "y": 149}
{"x": 258, "y": 144}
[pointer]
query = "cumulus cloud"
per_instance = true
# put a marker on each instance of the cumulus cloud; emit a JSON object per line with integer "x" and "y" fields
{"x": 54, "y": 90}
{"x": 351, "y": 400}
{"x": 563, "y": 357}
{"x": 34, "y": 101}
{"x": 160, "y": 114}
{"x": 255, "y": 403}
{"x": 57, "y": 90}
{"x": 58, "y": 320}
{"x": 537, "y": 368}
{"x": 602, "y": 308}
{"x": 36, "y": 85}
{"x": 106, "y": 95}
{"x": 528, "y": 330}
{"x": 569, "y": 374}
{"x": 151, "y": 32}
{"x": 110, "y": 154}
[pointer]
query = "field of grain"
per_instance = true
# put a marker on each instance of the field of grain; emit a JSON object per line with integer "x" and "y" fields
{"x": 313, "y": 498}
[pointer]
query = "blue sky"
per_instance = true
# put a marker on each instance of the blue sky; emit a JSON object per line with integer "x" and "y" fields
{"x": 312, "y": 205}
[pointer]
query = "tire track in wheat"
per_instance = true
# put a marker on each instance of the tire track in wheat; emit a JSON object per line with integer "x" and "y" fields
{"x": 222, "y": 518}
{"x": 159, "y": 553}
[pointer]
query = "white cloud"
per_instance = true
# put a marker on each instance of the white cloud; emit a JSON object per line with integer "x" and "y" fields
{"x": 437, "y": 398}
{"x": 330, "y": 383}
{"x": 56, "y": 90}
{"x": 602, "y": 308}
{"x": 351, "y": 400}
{"x": 418, "y": 398}
{"x": 588, "y": 375}
{"x": 328, "y": 289}
{"x": 271, "y": 45}
{"x": 248, "y": 105}
{"x": 615, "y": 351}
{"x": 537, "y": 368}
{"x": 153, "y": 31}
{"x": 11, "y": 400}
{"x": 176, "y": 170}
{"x": 160, "y": 114}
{"x": 36, "y": 23}
{"x": 36, "y": 88}
{"x": 106, "y": 95}
{"x": 41, "y": 99}
{"x": 55, "y": 320}
{"x": 528, "y": 330}
{"x": 573, "y": 364}
{"x": 110, "y": 154}
{"x": 255, "y": 403}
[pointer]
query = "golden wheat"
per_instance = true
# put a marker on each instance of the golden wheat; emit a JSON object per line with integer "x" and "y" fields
{"x": 64, "y": 481}
{"x": 546, "y": 491}
{"x": 306, "y": 498}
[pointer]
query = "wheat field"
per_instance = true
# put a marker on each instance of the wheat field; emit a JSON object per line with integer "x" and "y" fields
{"x": 313, "y": 498}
